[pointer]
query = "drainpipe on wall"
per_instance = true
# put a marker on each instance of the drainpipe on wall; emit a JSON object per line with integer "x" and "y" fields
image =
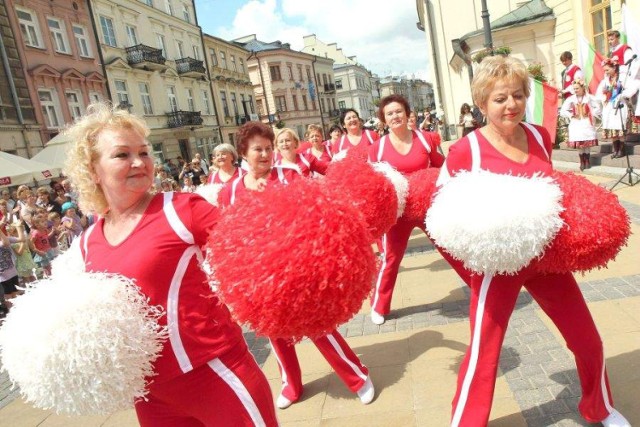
{"x": 14, "y": 96}
{"x": 313, "y": 67}
{"x": 434, "y": 54}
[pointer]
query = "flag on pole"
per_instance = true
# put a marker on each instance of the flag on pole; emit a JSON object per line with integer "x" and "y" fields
{"x": 542, "y": 106}
{"x": 590, "y": 62}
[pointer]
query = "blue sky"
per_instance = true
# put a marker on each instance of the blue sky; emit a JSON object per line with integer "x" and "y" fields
{"x": 383, "y": 36}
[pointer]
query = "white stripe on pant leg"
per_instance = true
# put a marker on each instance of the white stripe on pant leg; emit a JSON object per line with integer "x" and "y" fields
{"x": 383, "y": 266}
{"x": 475, "y": 348}
{"x": 283, "y": 372}
{"x": 344, "y": 357}
{"x": 232, "y": 380}
{"x": 603, "y": 386}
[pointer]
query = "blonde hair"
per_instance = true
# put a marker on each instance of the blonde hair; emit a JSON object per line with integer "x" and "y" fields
{"x": 291, "y": 132}
{"x": 494, "y": 68}
{"x": 83, "y": 152}
{"x": 227, "y": 148}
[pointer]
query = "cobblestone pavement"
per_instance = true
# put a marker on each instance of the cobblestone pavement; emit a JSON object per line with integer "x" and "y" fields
{"x": 539, "y": 370}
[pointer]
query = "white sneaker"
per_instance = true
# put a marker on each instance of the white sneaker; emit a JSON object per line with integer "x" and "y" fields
{"x": 615, "y": 419}
{"x": 282, "y": 402}
{"x": 366, "y": 392}
{"x": 376, "y": 318}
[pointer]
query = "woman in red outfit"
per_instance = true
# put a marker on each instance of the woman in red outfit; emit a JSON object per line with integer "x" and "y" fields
{"x": 506, "y": 145}
{"x": 224, "y": 159}
{"x": 408, "y": 151}
{"x": 255, "y": 144}
{"x": 356, "y": 137}
{"x": 205, "y": 375}
{"x": 287, "y": 144}
{"x": 319, "y": 148}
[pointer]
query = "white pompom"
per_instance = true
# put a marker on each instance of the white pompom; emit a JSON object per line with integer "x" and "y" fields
{"x": 495, "y": 223}
{"x": 210, "y": 192}
{"x": 69, "y": 261}
{"x": 82, "y": 344}
{"x": 399, "y": 181}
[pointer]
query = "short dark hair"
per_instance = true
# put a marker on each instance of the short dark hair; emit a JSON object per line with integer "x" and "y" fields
{"x": 614, "y": 33}
{"x": 344, "y": 113}
{"x": 566, "y": 55}
{"x": 335, "y": 127}
{"x": 248, "y": 131}
{"x": 388, "y": 100}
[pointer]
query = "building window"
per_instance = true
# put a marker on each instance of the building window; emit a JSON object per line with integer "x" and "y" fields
{"x": 29, "y": 28}
{"x": 74, "y": 101}
{"x": 160, "y": 44}
{"x": 304, "y": 102}
{"x": 342, "y": 104}
{"x": 145, "y": 97}
{"x": 308, "y": 74}
{"x": 49, "y": 105}
{"x": 196, "y": 52}
{"x": 122, "y": 94}
{"x": 185, "y": 13}
{"x": 167, "y": 7}
{"x": 300, "y": 73}
{"x": 158, "y": 153}
{"x": 241, "y": 61}
{"x": 233, "y": 63}
{"x": 58, "y": 35}
{"x": 190, "y": 104}
{"x": 251, "y": 104}
{"x": 274, "y": 71}
{"x": 206, "y": 104}
{"x": 180, "y": 49}
{"x": 290, "y": 69}
{"x": 324, "y": 79}
{"x": 223, "y": 60}
{"x": 600, "y": 11}
{"x": 108, "y": 33}
{"x": 82, "y": 42}
{"x": 338, "y": 83}
{"x": 95, "y": 97}
{"x": 231, "y": 139}
{"x": 234, "y": 103}
{"x": 225, "y": 106}
{"x": 148, "y": 2}
{"x": 214, "y": 58}
{"x": 173, "y": 100}
{"x": 281, "y": 103}
{"x": 322, "y": 103}
{"x": 132, "y": 36}
{"x": 295, "y": 102}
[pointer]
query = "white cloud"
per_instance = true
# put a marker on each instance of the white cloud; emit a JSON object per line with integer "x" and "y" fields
{"x": 383, "y": 40}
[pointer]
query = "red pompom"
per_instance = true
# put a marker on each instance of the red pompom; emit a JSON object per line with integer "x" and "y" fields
{"x": 370, "y": 192}
{"x": 596, "y": 227}
{"x": 292, "y": 261}
{"x": 422, "y": 186}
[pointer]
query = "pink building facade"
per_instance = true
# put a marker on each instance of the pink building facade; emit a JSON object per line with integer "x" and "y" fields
{"x": 61, "y": 60}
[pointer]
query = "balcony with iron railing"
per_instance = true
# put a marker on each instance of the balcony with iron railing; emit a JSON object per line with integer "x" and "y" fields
{"x": 177, "y": 119}
{"x": 329, "y": 87}
{"x": 145, "y": 57}
{"x": 189, "y": 67}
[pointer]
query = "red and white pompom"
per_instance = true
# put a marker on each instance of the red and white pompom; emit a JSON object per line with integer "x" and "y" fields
{"x": 81, "y": 343}
{"x": 371, "y": 193}
{"x": 292, "y": 261}
{"x": 493, "y": 223}
{"x": 422, "y": 186}
{"x": 399, "y": 181}
{"x": 210, "y": 192}
{"x": 596, "y": 227}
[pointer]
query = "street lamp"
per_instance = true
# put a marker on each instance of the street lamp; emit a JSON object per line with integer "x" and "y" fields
{"x": 488, "y": 42}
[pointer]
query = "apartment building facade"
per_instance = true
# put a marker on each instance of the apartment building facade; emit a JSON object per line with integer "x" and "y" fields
{"x": 19, "y": 131}
{"x": 232, "y": 88}
{"x": 154, "y": 58}
{"x": 285, "y": 83}
{"x": 418, "y": 92}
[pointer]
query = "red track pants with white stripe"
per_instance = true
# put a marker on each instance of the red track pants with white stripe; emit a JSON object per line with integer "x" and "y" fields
{"x": 492, "y": 302}
{"x": 230, "y": 390}
{"x": 337, "y": 352}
